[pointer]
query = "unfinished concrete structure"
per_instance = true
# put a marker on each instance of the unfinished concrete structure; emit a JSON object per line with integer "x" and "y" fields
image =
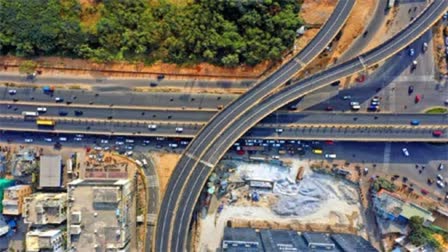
{"x": 45, "y": 208}
{"x": 99, "y": 215}
{"x": 13, "y": 199}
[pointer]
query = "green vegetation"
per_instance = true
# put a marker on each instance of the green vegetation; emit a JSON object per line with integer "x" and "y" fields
{"x": 420, "y": 235}
{"x": 227, "y": 33}
{"x": 437, "y": 110}
{"x": 382, "y": 183}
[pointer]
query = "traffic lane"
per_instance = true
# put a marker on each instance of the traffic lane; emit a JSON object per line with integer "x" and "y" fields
{"x": 347, "y": 134}
{"x": 115, "y": 113}
{"x": 417, "y": 27}
{"x": 123, "y": 83}
{"x": 279, "y": 118}
{"x": 143, "y": 99}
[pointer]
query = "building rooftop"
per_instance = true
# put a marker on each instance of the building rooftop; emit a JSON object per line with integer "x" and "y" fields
{"x": 50, "y": 171}
{"x": 269, "y": 240}
{"x": 410, "y": 210}
{"x": 45, "y": 208}
{"x": 389, "y": 202}
{"x": 99, "y": 214}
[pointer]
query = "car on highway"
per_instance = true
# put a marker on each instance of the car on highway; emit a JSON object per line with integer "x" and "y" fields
{"x": 58, "y": 99}
{"x": 41, "y": 109}
{"x": 417, "y": 99}
{"x": 437, "y": 133}
{"x": 153, "y": 84}
{"x": 329, "y": 108}
{"x": 78, "y": 113}
{"x": 28, "y": 140}
{"x": 12, "y": 91}
{"x": 411, "y": 52}
{"x": 415, "y": 122}
{"x": 330, "y": 156}
{"x": 424, "y": 47}
{"x": 152, "y": 126}
{"x": 48, "y": 140}
{"x": 63, "y": 113}
{"x": 179, "y": 130}
{"x": 405, "y": 152}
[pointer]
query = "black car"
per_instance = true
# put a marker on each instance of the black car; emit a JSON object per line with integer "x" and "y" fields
{"x": 78, "y": 113}
{"x": 63, "y": 113}
{"x": 410, "y": 90}
{"x": 154, "y": 84}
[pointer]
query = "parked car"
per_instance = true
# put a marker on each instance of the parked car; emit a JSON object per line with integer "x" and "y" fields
{"x": 28, "y": 140}
{"x": 330, "y": 156}
{"x": 410, "y": 90}
{"x": 441, "y": 167}
{"x": 424, "y": 47}
{"x": 279, "y": 130}
{"x": 63, "y": 139}
{"x": 411, "y": 52}
{"x": 48, "y": 140}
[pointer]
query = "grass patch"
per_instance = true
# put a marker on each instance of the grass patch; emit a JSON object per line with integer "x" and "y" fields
{"x": 74, "y": 87}
{"x": 437, "y": 110}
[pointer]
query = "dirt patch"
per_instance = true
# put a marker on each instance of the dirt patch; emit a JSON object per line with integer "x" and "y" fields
{"x": 317, "y": 11}
{"x": 165, "y": 164}
{"x": 439, "y": 48}
{"x": 356, "y": 23}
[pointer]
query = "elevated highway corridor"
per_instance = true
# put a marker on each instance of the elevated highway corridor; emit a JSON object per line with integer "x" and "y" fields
{"x": 232, "y": 112}
{"x": 213, "y": 151}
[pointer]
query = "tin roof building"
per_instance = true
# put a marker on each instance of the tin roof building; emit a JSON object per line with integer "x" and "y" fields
{"x": 50, "y": 173}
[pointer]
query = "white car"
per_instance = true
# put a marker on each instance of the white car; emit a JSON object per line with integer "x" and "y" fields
{"x": 279, "y": 130}
{"x": 12, "y": 91}
{"x": 354, "y": 103}
{"x": 145, "y": 162}
{"x": 119, "y": 143}
{"x": 63, "y": 139}
{"x": 332, "y": 156}
{"x": 77, "y": 139}
{"x": 347, "y": 97}
{"x": 58, "y": 99}
{"x": 439, "y": 177}
{"x": 152, "y": 126}
{"x": 47, "y": 139}
{"x": 104, "y": 141}
{"x": 184, "y": 142}
{"x": 130, "y": 141}
{"x": 129, "y": 153}
{"x": 79, "y": 135}
{"x": 41, "y": 109}
{"x": 28, "y": 140}
{"x": 172, "y": 145}
{"x": 405, "y": 152}
{"x": 440, "y": 184}
{"x": 441, "y": 167}
{"x": 160, "y": 139}
{"x": 98, "y": 148}
{"x": 179, "y": 130}
{"x": 276, "y": 157}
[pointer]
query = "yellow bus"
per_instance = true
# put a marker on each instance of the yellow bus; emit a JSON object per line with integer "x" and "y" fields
{"x": 45, "y": 122}
{"x": 317, "y": 151}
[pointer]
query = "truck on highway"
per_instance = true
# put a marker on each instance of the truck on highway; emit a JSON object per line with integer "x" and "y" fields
{"x": 48, "y": 89}
{"x": 30, "y": 115}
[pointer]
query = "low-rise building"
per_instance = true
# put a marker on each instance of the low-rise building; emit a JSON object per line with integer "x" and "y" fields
{"x": 99, "y": 215}
{"x": 13, "y": 199}
{"x": 391, "y": 207}
{"x": 50, "y": 171}
{"x": 247, "y": 239}
{"x": 48, "y": 241}
{"x": 45, "y": 208}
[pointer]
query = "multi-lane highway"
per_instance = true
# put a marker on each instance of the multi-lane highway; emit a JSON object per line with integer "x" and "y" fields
{"x": 290, "y": 123}
{"x": 231, "y": 113}
{"x": 193, "y": 169}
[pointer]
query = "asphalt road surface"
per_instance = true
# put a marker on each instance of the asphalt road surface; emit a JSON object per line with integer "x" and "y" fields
{"x": 191, "y": 184}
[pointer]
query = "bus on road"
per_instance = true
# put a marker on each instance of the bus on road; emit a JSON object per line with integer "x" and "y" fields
{"x": 45, "y": 122}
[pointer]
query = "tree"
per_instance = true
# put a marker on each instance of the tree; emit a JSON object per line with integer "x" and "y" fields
{"x": 27, "y": 67}
{"x": 419, "y": 235}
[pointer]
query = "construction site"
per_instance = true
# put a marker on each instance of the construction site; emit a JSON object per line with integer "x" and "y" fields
{"x": 288, "y": 195}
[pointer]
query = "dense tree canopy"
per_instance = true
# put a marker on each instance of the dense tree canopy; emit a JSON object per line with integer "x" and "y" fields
{"x": 227, "y": 33}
